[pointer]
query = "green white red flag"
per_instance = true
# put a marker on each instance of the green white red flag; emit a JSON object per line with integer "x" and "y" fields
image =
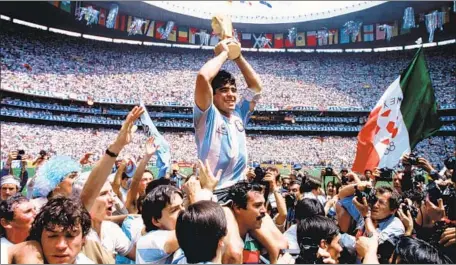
{"x": 404, "y": 115}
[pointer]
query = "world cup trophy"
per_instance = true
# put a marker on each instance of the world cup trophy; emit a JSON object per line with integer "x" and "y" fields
{"x": 223, "y": 28}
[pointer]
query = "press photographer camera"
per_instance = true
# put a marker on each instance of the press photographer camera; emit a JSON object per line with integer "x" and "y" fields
{"x": 413, "y": 159}
{"x": 386, "y": 174}
{"x": 20, "y": 153}
{"x": 368, "y": 193}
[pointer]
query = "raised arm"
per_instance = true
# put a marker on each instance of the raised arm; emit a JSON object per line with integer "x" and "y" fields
{"x": 203, "y": 90}
{"x": 103, "y": 168}
{"x": 117, "y": 180}
{"x": 251, "y": 77}
{"x": 134, "y": 187}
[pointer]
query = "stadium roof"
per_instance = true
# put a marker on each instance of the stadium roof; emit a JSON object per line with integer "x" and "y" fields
{"x": 266, "y": 12}
{"x": 384, "y": 12}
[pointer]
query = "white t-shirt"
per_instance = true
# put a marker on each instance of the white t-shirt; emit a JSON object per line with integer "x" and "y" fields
{"x": 113, "y": 239}
{"x": 150, "y": 248}
{"x": 83, "y": 259}
{"x": 292, "y": 237}
{"x": 4, "y": 245}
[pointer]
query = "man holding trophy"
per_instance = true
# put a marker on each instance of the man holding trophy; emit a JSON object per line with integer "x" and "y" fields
{"x": 220, "y": 120}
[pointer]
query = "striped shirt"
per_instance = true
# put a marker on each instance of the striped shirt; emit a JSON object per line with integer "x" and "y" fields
{"x": 221, "y": 140}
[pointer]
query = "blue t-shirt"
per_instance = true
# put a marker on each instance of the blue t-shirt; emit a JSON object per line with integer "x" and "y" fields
{"x": 222, "y": 141}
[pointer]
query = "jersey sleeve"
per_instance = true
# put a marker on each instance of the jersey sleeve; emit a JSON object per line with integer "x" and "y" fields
{"x": 243, "y": 107}
{"x": 201, "y": 119}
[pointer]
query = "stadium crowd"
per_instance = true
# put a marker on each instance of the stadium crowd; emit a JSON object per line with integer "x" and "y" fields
{"x": 133, "y": 217}
{"x": 34, "y": 60}
{"x": 307, "y": 150}
{"x": 121, "y": 213}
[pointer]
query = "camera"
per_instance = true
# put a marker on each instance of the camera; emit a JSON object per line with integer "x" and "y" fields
{"x": 20, "y": 153}
{"x": 386, "y": 174}
{"x": 368, "y": 193}
{"x": 329, "y": 172}
{"x": 344, "y": 180}
{"x": 290, "y": 200}
{"x": 434, "y": 192}
{"x": 439, "y": 228}
{"x": 409, "y": 208}
{"x": 413, "y": 159}
{"x": 450, "y": 163}
{"x": 42, "y": 153}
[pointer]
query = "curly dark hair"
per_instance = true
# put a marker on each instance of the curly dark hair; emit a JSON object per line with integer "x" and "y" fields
{"x": 238, "y": 193}
{"x": 155, "y": 202}
{"x": 60, "y": 212}
{"x": 7, "y": 208}
{"x": 221, "y": 79}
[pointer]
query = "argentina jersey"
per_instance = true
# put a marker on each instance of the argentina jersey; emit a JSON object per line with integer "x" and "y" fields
{"x": 222, "y": 141}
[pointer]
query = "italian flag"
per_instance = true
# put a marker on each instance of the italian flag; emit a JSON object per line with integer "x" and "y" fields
{"x": 404, "y": 115}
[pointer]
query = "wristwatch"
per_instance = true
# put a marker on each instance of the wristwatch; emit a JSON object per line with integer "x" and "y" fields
{"x": 111, "y": 154}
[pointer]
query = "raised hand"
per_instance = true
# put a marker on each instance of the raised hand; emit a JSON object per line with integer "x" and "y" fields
{"x": 424, "y": 164}
{"x": 207, "y": 179}
{"x": 362, "y": 208}
{"x": 125, "y": 134}
{"x": 367, "y": 245}
{"x": 448, "y": 237}
{"x": 151, "y": 147}
{"x": 406, "y": 219}
{"x": 222, "y": 46}
{"x": 434, "y": 212}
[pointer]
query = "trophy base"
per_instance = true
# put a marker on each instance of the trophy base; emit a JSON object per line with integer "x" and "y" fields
{"x": 234, "y": 50}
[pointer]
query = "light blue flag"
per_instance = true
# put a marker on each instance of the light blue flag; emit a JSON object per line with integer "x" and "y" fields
{"x": 163, "y": 153}
{"x": 344, "y": 36}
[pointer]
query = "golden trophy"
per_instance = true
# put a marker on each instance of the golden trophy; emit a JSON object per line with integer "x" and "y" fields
{"x": 223, "y": 28}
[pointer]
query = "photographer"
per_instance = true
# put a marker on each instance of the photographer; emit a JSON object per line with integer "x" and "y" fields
{"x": 436, "y": 218}
{"x": 377, "y": 209}
{"x": 43, "y": 156}
{"x": 276, "y": 205}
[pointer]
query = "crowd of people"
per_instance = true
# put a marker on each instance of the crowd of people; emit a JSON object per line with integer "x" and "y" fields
{"x": 229, "y": 209}
{"x": 132, "y": 217}
{"x": 307, "y": 150}
{"x": 34, "y": 60}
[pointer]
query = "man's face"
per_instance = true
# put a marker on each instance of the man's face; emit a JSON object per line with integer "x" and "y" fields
{"x": 65, "y": 187}
{"x": 62, "y": 246}
{"x": 252, "y": 216}
{"x": 225, "y": 98}
{"x": 294, "y": 189}
{"x": 285, "y": 183}
{"x": 368, "y": 174}
{"x": 104, "y": 203}
{"x": 146, "y": 179}
{"x": 334, "y": 248}
{"x": 24, "y": 215}
{"x": 8, "y": 190}
{"x": 381, "y": 208}
{"x": 124, "y": 183}
{"x": 397, "y": 182}
{"x": 330, "y": 189}
{"x": 171, "y": 212}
